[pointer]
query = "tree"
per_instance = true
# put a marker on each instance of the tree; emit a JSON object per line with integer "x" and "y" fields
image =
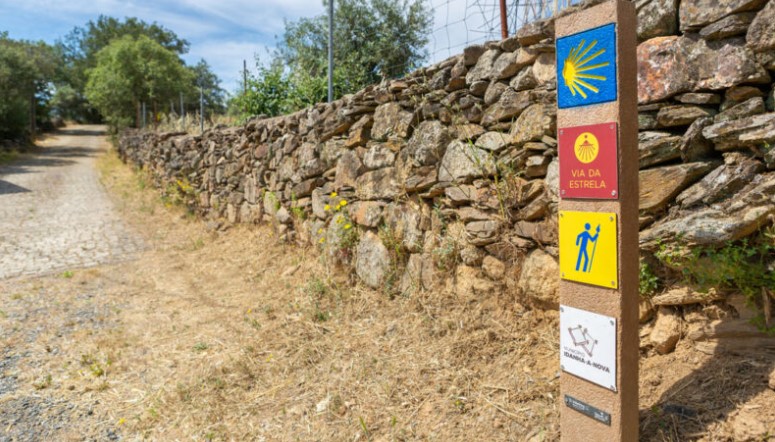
{"x": 268, "y": 92}
{"x": 374, "y": 39}
{"x": 201, "y": 76}
{"x": 81, "y": 46}
{"x": 26, "y": 70}
{"x": 131, "y": 71}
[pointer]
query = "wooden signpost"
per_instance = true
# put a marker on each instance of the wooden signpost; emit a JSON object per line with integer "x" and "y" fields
{"x": 597, "y": 125}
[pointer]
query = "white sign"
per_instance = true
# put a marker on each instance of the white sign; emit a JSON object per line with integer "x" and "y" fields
{"x": 588, "y": 346}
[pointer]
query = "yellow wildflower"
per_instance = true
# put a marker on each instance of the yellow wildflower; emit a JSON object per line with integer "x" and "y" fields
{"x": 339, "y": 220}
{"x": 326, "y": 207}
{"x": 333, "y": 194}
{"x": 322, "y": 240}
{"x": 348, "y": 226}
{"x": 343, "y": 203}
{"x": 320, "y": 230}
{"x": 250, "y": 310}
{"x": 121, "y": 421}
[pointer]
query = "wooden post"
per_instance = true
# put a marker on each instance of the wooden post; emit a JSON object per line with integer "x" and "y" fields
{"x": 597, "y": 125}
{"x": 504, "y": 20}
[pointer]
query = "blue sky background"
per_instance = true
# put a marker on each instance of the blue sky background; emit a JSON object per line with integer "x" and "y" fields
{"x": 224, "y": 32}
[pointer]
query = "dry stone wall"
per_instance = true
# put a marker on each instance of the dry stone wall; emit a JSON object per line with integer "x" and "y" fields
{"x": 452, "y": 170}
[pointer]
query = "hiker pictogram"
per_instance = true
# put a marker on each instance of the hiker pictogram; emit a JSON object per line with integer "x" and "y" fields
{"x": 588, "y": 248}
{"x": 582, "y": 242}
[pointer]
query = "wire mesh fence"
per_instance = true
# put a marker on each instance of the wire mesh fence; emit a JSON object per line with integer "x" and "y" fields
{"x": 460, "y": 23}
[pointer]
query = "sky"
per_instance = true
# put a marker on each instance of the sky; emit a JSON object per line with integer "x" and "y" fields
{"x": 226, "y": 32}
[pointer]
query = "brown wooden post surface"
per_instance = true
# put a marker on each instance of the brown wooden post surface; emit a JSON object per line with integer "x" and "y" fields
{"x": 621, "y": 303}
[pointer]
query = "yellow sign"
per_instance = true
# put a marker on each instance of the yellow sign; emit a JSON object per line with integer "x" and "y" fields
{"x": 588, "y": 248}
{"x": 586, "y": 147}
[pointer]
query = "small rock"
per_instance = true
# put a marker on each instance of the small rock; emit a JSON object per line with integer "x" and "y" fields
{"x": 524, "y": 80}
{"x": 535, "y": 31}
{"x": 730, "y": 26}
{"x": 481, "y": 233}
{"x": 647, "y": 121}
{"x": 662, "y": 69}
{"x": 657, "y": 147}
{"x": 694, "y": 146}
{"x": 493, "y": 268}
{"x": 537, "y": 166}
{"x": 460, "y": 194}
{"x": 545, "y": 70}
{"x": 472, "y": 255}
{"x": 469, "y": 284}
{"x": 694, "y": 14}
{"x": 667, "y": 330}
{"x": 366, "y": 213}
{"x": 483, "y": 67}
{"x": 463, "y": 163}
{"x": 492, "y": 141}
{"x": 510, "y": 105}
{"x": 748, "y": 108}
{"x": 348, "y": 168}
{"x": 390, "y": 119}
{"x": 721, "y": 183}
{"x": 472, "y": 53}
{"x": 411, "y": 281}
{"x": 738, "y": 94}
{"x": 761, "y": 33}
{"x": 748, "y": 131}
{"x": 377, "y": 184}
{"x": 539, "y": 279}
{"x": 660, "y": 185}
{"x": 536, "y": 121}
{"x": 378, "y": 156}
{"x": 372, "y": 260}
{"x": 656, "y": 18}
{"x": 494, "y": 92}
{"x": 479, "y": 88}
{"x": 699, "y": 98}
{"x": 682, "y": 115}
{"x": 685, "y": 296}
{"x": 428, "y": 143}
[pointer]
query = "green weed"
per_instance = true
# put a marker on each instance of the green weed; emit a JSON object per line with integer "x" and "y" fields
{"x": 648, "y": 282}
{"x": 740, "y": 266}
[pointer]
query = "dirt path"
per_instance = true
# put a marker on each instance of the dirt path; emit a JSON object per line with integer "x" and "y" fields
{"x": 55, "y": 214}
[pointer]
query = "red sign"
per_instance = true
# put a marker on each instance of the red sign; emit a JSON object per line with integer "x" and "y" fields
{"x": 589, "y": 165}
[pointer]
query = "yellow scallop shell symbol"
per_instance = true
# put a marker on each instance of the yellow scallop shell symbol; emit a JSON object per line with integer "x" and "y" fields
{"x": 577, "y": 67}
{"x": 586, "y": 147}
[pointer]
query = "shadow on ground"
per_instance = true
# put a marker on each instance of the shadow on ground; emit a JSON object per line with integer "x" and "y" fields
{"x": 720, "y": 398}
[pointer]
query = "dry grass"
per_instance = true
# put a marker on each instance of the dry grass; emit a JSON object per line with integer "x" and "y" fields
{"x": 234, "y": 336}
